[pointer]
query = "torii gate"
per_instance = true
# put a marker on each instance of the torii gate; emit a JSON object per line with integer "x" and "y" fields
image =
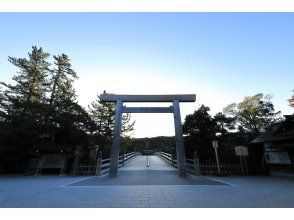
{"x": 175, "y": 109}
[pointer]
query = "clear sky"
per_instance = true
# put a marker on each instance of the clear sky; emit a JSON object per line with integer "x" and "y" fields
{"x": 221, "y": 57}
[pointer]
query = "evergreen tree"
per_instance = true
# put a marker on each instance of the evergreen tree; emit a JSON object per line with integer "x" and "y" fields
{"x": 23, "y": 107}
{"x": 23, "y": 104}
{"x": 62, "y": 94}
{"x": 224, "y": 124}
{"x": 61, "y": 81}
{"x": 200, "y": 128}
{"x": 2, "y": 114}
{"x": 103, "y": 114}
{"x": 40, "y": 104}
{"x": 30, "y": 83}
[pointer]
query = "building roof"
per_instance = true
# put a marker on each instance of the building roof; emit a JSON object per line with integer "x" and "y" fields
{"x": 49, "y": 147}
{"x": 283, "y": 131}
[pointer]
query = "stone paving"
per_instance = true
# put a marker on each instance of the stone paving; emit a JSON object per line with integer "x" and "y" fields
{"x": 57, "y": 191}
{"x": 146, "y": 177}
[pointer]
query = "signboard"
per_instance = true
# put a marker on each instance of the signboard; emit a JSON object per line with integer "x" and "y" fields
{"x": 52, "y": 161}
{"x": 241, "y": 151}
{"x": 281, "y": 157}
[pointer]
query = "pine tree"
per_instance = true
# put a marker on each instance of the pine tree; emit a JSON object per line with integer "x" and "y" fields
{"x": 24, "y": 103}
{"x": 61, "y": 81}
{"x": 103, "y": 114}
{"x": 22, "y": 107}
{"x": 40, "y": 104}
{"x": 64, "y": 113}
{"x": 31, "y": 83}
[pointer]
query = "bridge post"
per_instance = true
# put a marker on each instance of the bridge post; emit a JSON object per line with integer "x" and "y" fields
{"x": 124, "y": 157}
{"x": 114, "y": 157}
{"x": 98, "y": 163}
{"x": 172, "y": 156}
{"x": 182, "y": 170}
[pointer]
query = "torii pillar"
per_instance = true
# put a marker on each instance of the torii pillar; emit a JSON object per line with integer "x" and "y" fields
{"x": 181, "y": 157}
{"x": 175, "y": 109}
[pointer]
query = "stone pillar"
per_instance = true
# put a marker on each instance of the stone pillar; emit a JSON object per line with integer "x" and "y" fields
{"x": 114, "y": 157}
{"x": 98, "y": 163}
{"x": 77, "y": 154}
{"x": 180, "y": 149}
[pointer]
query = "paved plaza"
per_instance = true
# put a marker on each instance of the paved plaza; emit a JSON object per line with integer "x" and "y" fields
{"x": 139, "y": 186}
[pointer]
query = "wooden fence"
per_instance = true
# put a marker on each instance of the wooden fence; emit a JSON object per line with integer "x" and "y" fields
{"x": 195, "y": 168}
{"x": 102, "y": 165}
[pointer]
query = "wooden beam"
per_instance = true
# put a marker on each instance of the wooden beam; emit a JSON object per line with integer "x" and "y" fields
{"x": 148, "y": 98}
{"x": 114, "y": 156}
{"x": 147, "y": 109}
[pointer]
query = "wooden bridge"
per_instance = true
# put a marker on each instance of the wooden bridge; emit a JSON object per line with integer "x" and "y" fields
{"x": 158, "y": 161}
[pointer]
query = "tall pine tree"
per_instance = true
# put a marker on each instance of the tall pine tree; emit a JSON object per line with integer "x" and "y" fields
{"x": 23, "y": 107}
{"x": 30, "y": 82}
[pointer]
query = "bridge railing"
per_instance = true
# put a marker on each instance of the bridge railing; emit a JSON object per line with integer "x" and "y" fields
{"x": 102, "y": 165}
{"x": 196, "y": 168}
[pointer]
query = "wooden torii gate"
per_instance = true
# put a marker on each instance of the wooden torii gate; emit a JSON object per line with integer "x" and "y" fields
{"x": 175, "y": 109}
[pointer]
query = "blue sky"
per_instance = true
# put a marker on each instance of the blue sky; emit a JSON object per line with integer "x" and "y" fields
{"x": 221, "y": 57}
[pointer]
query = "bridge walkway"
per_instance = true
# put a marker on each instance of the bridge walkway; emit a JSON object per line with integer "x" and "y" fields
{"x": 136, "y": 172}
{"x": 140, "y": 163}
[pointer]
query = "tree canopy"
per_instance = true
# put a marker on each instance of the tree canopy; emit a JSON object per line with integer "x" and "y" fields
{"x": 40, "y": 107}
{"x": 291, "y": 101}
{"x": 103, "y": 114}
{"x": 254, "y": 114}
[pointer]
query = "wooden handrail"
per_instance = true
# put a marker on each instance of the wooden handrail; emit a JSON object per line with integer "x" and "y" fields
{"x": 196, "y": 168}
{"x": 102, "y": 166}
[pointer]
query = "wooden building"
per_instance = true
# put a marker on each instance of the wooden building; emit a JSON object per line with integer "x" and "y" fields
{"x": 278, "y": 145}
{"x": 51, "y": 159}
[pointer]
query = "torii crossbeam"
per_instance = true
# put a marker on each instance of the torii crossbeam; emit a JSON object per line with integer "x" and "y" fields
{"x": 175, "y": 109}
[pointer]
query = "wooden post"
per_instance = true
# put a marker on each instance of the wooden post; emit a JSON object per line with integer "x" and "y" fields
{"x": 38, "y": 169}
{"x": 241, "y": 162}
{"x": 77, "y": 154}
{"x": 172, "y": 156}
{"x": 124, "y": 157}
{"x": 217, "y": 161}
{"x": 63, "y": 169}
{"x": 40, "y": 161}
{"x": 182, "y": 170}
{"x": 98, "y": 163}
{"x": 75, "y": 166}
{"x": 114, "y": 157}
{"x": 196, "y": 164}
{"x": 245, "y": 164}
